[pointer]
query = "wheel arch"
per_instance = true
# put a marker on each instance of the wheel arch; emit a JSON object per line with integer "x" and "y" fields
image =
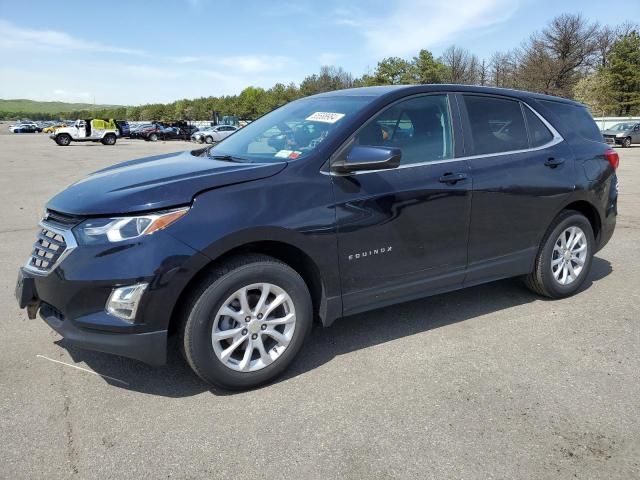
{"x": 292, "y": 255}
{"x": 589, "y": 210}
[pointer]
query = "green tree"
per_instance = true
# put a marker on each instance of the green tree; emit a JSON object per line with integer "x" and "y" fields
{"x": 595, "y": 91}
{"x": 395, "y": 71}
{"x": 427, "y": 69}
{"x": 330, "y": 78}
{"x": 624, "y": 72}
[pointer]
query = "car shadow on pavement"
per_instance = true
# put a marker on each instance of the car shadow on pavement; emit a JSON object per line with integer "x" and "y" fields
{"x": 346, "y": 335}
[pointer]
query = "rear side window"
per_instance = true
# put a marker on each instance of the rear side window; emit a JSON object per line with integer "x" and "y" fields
{"x": 497, "y": 124}
{"x": 575, "y": 118}
{"x": 539, "y": 134}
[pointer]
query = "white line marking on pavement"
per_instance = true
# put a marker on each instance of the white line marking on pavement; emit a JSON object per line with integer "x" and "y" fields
{"x": 84, "y": 370}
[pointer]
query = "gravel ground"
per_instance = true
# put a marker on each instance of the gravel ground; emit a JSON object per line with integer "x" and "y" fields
{"x": 489, "y": 382}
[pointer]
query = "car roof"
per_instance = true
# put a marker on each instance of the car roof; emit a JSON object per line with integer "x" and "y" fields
{"x": 380, "y": 91}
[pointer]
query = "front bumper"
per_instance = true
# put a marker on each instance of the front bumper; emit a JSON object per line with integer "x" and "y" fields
{"x": 150, "y": 347}
{"x": 72, "y": 297}
{"x": 609, "y": 140}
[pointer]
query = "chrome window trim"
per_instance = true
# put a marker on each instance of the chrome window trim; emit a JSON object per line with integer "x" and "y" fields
{"x": 69, "y": 239}
{"x": 557, "y": 138}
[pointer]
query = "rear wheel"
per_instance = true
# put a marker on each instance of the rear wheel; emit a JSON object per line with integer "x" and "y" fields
{"x": 626, "y": 142}
{"x": 63, "y": 139}
{"x": 564, "y": 258}
{"x": 109, "y": 139}
{"x": 246, "y": 322}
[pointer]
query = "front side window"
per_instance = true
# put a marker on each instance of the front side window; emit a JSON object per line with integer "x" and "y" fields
{"x": 420, "y": 127}
{"x": 497, "y": 124}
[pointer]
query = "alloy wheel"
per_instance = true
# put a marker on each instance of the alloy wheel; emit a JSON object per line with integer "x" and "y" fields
{"x": 569, "y": 255}
{"x": 253, "y": 327}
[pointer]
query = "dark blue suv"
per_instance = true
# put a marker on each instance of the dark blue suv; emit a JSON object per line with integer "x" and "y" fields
{"x": 331, "y": 205}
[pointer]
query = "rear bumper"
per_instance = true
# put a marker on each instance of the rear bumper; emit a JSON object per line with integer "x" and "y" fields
{"x": 610, "y": 215}
{"x": 148, "y": 347}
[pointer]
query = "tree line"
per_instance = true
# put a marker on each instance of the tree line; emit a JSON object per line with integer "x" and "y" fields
{"x": 571, "y": 57}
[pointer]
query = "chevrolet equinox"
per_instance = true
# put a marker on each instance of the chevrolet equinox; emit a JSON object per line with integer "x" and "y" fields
{"x": 331, "y": 205}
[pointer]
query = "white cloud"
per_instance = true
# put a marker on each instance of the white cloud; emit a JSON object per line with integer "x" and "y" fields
{"x": 13, "y": 37}
{"x": 415, "y": 24}
{"x": 329, "y": 58}
{"x": 130, "y": 76}
{"x": 239, "y": 63}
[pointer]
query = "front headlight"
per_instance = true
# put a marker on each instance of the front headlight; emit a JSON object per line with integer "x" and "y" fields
{"x": 118, "y": 229}
{"x": 620, "y": 134}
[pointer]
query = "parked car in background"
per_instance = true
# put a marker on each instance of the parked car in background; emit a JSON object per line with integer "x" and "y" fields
{"x": 624, "y": 134}
{"x": 136, "y": 130}
{"x": 166, "y": 133}
{"x": 52, "y": 128}
{"x": 96, "y": 130}
{"x": 123, "y": 128}
{"x": 25, "y": 128}
{"x": 213, "y": 134}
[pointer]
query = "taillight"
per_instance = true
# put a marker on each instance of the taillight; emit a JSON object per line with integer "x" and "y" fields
{"x": 612, "y": 157}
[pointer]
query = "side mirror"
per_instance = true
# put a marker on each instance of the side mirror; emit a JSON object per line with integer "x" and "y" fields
{"x": 364, "y": 157}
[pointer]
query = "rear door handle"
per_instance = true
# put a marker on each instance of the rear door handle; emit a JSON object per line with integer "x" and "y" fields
{"x": 554, "y": 162}
{"x": 452, "y": 178}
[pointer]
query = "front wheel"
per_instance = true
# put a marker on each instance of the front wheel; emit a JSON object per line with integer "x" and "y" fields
{"x": 153, "y": 137}
{"x": 63, "y": 139}
{"x": 246, "y": 322}
{"x": 564, "y": 258}
{"x": 208, "y": 140}
{"x": 626, "y": 143}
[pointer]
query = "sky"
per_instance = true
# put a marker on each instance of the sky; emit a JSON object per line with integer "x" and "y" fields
{"x": 135, "y": 52}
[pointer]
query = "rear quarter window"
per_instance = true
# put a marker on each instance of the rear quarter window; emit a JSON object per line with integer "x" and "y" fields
{"x": 575, "y": 118}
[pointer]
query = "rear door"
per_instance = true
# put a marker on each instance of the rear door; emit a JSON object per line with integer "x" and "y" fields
{"x": 403, "y": 232}
{"x": 522, "y": 173}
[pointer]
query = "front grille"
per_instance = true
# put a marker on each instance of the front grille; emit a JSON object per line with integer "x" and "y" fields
{"x": 63, "y": 220}
{"x": 49, "y": 247}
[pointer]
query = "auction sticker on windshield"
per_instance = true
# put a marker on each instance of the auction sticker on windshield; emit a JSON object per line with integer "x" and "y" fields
{"x": 292, "y": 154}
{"x": 325, "y": 117}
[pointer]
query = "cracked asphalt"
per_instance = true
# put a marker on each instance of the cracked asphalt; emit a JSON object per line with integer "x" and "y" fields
{"x": 489, "y": 382}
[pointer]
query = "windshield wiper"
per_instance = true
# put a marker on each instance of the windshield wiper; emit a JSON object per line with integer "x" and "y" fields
{"x": 227, "y": 158}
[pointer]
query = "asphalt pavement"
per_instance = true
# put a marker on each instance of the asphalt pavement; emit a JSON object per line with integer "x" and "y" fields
{"x": 485, "y": 383}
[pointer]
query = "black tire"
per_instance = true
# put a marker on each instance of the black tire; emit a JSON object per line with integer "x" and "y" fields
{"x": 199, "y": 312}
{"x": 109, "y": 139}
{"x": 153, "y": 137}
{"x": 208, "y": 140}
{"x": 542, "y": 280}
{"x": 63, "y": 139}
{"x": 200, "y": 139}
{"x": 626, "y": 143}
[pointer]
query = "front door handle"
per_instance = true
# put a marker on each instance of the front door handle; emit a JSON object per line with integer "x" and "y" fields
{"x": 554, "y": 162}
{"x": 452, "y": 178}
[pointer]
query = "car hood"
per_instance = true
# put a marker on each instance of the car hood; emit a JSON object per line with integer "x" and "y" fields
{"x": 154, "y": 183}
{"x": 614, "y": 132}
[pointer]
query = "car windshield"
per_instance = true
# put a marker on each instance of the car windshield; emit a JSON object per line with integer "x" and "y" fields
{"x": 289, "y": 132}
{"x": 621, "y": 127}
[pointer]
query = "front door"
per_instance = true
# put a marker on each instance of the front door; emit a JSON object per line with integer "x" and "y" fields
{"x": 403, "y": 232}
